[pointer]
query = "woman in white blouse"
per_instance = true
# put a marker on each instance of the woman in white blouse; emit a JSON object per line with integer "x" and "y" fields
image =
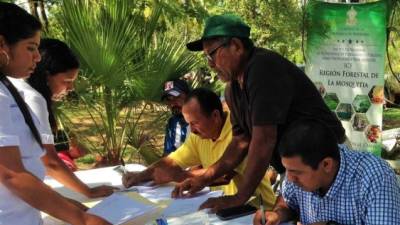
{"x": 52, "y": 79}
{"x": 22, "y": 191}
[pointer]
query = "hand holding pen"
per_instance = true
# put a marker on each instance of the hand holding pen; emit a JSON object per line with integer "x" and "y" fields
{"x": 271, "y": 218}
{"x": 265, "y": 217}
{"x": 121, "y": 168}
{"x": 128, "y": 178}
{"x": 263, "y": 221}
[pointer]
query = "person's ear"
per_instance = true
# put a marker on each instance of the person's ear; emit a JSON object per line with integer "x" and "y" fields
{"x": 182, "y": 97}
{"x": 237, "y": 46}
{"x": 3, "y": 43}
{"x": 215, "y": 115}
{"x": 327, "y": 164}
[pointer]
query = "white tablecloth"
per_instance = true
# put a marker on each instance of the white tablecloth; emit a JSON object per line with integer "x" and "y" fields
{"x": 108, "y": 176}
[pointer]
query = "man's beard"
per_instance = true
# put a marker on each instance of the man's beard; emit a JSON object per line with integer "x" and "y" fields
{"x": 228, "y": 78}
{"x": 176, "y": 110}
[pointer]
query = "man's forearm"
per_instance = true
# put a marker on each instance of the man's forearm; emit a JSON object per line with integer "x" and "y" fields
{"x": 196, "y": 172}
{"x": 254, "y": 172}
{"x": 258, "y": 159}
{"x": 232, "y": 157}
{"x": 223, "y": 180}
{"x": 164, "y": 171}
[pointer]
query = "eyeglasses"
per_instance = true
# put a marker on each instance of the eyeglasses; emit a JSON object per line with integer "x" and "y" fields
{"x": 210, "y": 56}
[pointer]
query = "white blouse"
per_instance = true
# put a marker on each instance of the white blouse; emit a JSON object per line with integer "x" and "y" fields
{"x": 15, "y": 132}
{"x": 37, "y": 104}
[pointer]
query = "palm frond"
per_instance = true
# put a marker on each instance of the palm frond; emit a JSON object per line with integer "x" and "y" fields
{"x": 124, "y": 61}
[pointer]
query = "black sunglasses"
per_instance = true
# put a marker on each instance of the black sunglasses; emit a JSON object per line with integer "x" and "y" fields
{"x": 210, "y": 56}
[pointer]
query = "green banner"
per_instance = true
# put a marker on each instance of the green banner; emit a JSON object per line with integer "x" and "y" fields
{"x": 345, "y": 55}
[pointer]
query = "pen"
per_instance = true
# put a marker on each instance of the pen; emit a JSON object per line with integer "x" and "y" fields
{"x": 123, "y": 166}
{"x": 161, "y": 221}
{"x": 263, "y": 220}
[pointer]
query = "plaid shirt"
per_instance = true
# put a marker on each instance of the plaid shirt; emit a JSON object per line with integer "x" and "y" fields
{"x": 365, "y": 191}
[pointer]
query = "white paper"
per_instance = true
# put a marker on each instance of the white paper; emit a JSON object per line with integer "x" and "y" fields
{"x": 196, "y": 218}
{"x": 182, "y": 206}
{"x": 157, "y": 194}
{"x": 119, "y": 208}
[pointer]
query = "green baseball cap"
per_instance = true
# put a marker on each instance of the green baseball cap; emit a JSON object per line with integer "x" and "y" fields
{"x": 225, "y": 25}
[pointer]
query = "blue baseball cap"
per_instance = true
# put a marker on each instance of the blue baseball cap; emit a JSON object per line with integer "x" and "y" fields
{"x": 175, "y": 88}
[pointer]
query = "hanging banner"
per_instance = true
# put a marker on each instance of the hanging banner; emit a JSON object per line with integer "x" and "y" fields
{"x": 345, "y": 53}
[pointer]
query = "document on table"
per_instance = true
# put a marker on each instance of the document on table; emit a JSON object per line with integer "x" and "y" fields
{"x": 140, "y": 188}
{"x": 120, "y": 208}
{"x": 182, "y": 206}
{"x": 196, "y": 218}
{"x": 158, "y": 194}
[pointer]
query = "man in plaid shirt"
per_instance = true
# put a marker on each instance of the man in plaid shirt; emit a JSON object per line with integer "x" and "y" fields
{"x": 330, "y": 184}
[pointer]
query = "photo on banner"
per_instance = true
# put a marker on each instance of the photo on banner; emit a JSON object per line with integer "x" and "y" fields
{"x": 345, "y": 55}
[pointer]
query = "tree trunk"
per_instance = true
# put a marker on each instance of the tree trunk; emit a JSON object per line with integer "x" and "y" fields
{"x": 43, "y": 15}
{"x": 113, "y": 150}
{"x": 33, "y": 8}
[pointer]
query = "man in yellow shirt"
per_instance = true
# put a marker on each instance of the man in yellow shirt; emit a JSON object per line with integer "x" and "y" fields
{"x": 211, "y": 132}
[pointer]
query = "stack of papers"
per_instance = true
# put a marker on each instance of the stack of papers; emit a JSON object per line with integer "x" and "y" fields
{"x": 127, "y": 208}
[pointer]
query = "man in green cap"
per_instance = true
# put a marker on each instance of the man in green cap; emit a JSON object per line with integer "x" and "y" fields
{"x": 265, "y": 93}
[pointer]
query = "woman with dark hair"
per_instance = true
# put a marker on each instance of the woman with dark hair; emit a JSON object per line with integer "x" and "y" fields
{"x": 51, "y": 80}
{"x": 54, "y": 78}
{"x": 22, "y": 191}
{"x": 55, "y": 74}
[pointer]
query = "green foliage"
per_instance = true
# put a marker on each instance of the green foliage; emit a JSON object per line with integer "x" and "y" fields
{"x": 169, "y": 59}
{"x": 87, "y": 159}
{"x": 54, "y": 30}
{"x": 123, "y": 62}
{"x": 275, "y": 24}
{"x": 393, "y": 55}
{"x": 128, "y": 48}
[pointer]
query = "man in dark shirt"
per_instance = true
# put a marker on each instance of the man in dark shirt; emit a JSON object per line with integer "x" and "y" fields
{"x": 176, "y": 131}
{"x": 265, "y": 93}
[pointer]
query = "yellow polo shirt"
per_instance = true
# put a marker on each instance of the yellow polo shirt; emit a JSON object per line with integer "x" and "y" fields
{"x": 197, "y": 151}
